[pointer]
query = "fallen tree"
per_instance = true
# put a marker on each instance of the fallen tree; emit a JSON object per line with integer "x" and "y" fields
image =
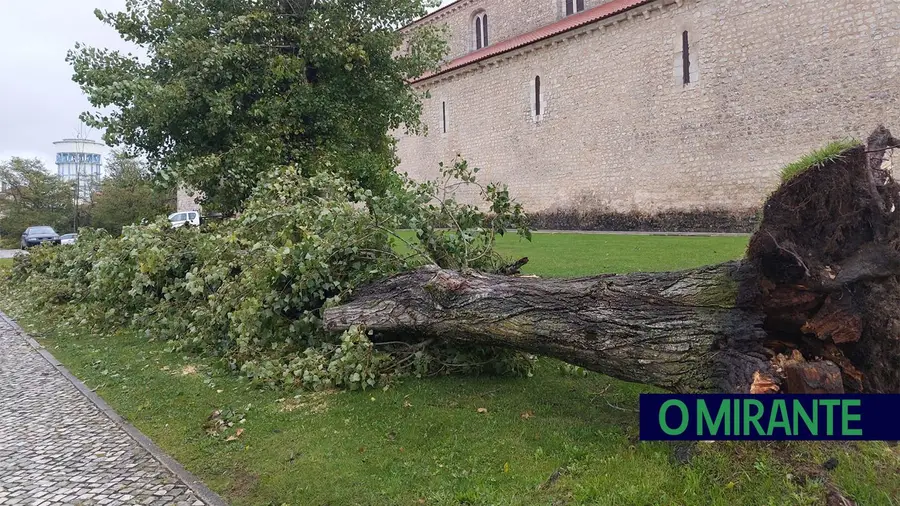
{"x": 811, "y": 308}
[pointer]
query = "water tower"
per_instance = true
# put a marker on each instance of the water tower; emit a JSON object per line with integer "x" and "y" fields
{"x": 81, "y": 161}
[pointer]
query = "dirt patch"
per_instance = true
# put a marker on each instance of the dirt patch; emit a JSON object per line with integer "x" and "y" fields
{"x": 312, "y": 402}
{"x": 797, "y": 459}
{"x": 186, "y": 370}
{"x": 804, "y": 470}
{"x": 189, "y": 370}
{"x": 243, "y": 483}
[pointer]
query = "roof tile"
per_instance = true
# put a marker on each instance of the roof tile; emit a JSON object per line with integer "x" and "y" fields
{"x": 568, "y": 23}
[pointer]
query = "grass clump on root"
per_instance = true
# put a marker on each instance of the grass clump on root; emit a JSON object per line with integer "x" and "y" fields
{"x": 830, "y": 152}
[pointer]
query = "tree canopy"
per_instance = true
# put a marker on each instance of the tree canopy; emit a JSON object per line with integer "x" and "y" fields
{"x": 32, "y": 196}
{"x": 128, "y": 195}
{"x": 230, "y": 88}
{"x": 280, "y": 112}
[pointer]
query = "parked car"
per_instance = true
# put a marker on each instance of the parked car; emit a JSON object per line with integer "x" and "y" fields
{"x": 68, "y": 238}
{"x": 35, "y": 236}
{"x": 182, "y": 218}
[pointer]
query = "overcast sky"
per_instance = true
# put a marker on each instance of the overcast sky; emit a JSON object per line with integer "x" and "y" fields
{"x": 39, "y": 103}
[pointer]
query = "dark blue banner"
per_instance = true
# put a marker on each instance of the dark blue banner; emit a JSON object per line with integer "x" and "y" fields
{"x": 769, "y": 417}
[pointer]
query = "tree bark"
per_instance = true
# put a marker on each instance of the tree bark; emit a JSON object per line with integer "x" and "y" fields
{"x": 684, "y": 331}
{"x": 811, "y": 308}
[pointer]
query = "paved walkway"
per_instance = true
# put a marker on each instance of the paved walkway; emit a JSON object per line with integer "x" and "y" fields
{"x": 61, "y": 445}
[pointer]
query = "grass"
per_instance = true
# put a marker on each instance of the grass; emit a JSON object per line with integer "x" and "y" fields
{"x": 826, "y": 154}
{"x": 425, "y": 441}
{"x": 6, "y": 262}
{"x": 571, "y": 254}
{"x": 555, "y": 255}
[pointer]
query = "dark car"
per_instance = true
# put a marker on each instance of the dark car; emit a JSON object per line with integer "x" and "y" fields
{"x": 35, "y": 236}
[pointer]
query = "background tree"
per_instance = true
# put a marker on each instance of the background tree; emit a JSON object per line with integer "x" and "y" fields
{"x": 32, "y": 196}
{"x": 232, "y": 88}
{"x": 128, "y": 195}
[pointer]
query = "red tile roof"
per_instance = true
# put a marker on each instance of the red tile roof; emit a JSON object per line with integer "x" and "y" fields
{"x": 564, "y": 25}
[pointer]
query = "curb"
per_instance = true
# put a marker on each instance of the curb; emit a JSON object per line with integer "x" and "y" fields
{"x": 202, "y": 491}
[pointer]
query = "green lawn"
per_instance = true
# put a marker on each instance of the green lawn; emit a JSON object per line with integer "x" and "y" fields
{"x": 588, "y": 254}
{"x": 425, "y": 441}
{"x": 5, "y": 262}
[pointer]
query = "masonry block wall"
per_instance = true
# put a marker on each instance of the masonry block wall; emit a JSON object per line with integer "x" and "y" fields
{"x": 620, "y": 130}
{"x": 186, "y": 200}
{"x": 506, "y": 18}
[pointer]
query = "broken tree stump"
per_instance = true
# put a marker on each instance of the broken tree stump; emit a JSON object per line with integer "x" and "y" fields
{"x": 813, "y": 306}
{"x": 822, "y": 377}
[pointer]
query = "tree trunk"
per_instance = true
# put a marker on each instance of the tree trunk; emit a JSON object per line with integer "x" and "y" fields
{"x": 680, "y": 330}
{"x": 811, "y": 308}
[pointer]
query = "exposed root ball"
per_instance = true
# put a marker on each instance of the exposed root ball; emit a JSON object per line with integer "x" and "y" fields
{"x": 827, "y": 253}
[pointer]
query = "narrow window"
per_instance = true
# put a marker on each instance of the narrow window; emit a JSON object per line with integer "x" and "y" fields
{"x": 481, "y": 30}
{"x": 685, "y": 58}
{"x": 537, "y": 95}
{"x": 444, "y": 116}
{"x": 573, "y": 6}
{"x": 478, "y": 33}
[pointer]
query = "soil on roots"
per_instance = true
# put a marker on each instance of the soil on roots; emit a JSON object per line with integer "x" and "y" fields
{"x": 836, "y": 221}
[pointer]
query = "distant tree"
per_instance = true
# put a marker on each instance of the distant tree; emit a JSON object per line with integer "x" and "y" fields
{"x": 32, "y": 196}
{"x": 128, "y": 195}
{"x": 230, "y": 89}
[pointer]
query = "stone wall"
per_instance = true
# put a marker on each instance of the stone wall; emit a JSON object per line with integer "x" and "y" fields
{"x": 187, "y": 200}
{"x": 506, "y": 19}
{"x": 620, "y": 131}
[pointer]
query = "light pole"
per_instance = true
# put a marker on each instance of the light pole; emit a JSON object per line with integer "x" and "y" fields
{"x": 79, "y": 159}
{"x": 78, "y": 155}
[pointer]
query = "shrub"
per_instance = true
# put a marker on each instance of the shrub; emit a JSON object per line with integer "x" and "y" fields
{"x": 601, "y": 218}
{"x": 251, "y": 289}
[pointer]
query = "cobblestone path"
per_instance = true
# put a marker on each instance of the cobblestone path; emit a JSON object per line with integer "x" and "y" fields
{"x": 57, "y": 447}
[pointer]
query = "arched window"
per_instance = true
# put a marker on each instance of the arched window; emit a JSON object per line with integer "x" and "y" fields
{"x": 481, "y": 30}
{"x": 573, "y": 6}
{"x": 537, "y": 95}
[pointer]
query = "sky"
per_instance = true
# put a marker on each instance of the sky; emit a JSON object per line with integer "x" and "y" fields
{"x": 39, "y": 102}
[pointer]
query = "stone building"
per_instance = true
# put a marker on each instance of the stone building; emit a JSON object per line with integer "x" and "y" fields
{"x": 655, "y": 105}
{"x": 187, "y": 199}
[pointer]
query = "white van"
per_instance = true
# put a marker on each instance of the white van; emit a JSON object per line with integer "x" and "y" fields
{"x": 182, "y": 218}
